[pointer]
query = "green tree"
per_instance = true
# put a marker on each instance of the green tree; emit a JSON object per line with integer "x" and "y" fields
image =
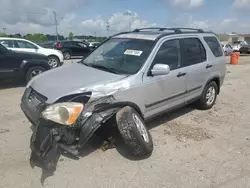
{"x": 37, "y": 37}
{"x": 71, "y": 36}
{"x": 3, "y": 35}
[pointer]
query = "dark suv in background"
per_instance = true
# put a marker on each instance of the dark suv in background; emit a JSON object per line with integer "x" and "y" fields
{"x": 21, "y": 66}
{"x": 73, "y": 48}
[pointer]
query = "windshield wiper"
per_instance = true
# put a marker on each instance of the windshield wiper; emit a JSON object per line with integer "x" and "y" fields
{"x": 103, "y": 68}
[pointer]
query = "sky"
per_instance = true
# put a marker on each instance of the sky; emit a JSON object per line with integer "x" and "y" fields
{"x": 90, "y": 17}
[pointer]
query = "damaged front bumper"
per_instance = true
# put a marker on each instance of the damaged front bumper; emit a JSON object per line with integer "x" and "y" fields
{"x": 50, "y": 139}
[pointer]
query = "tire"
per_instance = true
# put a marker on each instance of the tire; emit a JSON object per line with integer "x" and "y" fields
{"x": 137, "y": 144}
{"x": 53, "y": 61}
{"x": 30, "y": 73}
{"x": 66, "y": 55}
{"x": 205, "y": 103}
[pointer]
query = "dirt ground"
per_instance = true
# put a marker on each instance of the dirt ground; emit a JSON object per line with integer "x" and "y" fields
{"x": 193, "y": 149}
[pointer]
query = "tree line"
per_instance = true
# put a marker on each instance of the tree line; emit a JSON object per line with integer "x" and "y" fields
{"x": 40, "y": 38}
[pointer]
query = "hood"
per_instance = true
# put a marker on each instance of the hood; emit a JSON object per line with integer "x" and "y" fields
{"x": 29, "y": 55}
{"x": 71, "y": 79}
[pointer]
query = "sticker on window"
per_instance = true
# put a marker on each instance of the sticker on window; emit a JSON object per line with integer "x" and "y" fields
{"x": 133, "y": 52}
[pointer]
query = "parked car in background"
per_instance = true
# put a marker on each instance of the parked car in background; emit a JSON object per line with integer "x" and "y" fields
{"x": 93, "y": 45}
{"x": 237, "y": 45}
{"x": 73, "y": 48}
{"x": 227, "y": 48}
{"x": 21, "y": 65}
{"x": 50, "y": 44}
{"x": 17, "y": 44}
{"x": 245, "y": 49}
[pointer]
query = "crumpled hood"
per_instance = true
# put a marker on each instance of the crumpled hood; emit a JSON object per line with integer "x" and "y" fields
{"x": 71, "y": 79}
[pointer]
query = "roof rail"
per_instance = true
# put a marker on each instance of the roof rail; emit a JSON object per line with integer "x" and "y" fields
{"x": 157, "y": 28}
{"x": 176, "y": 30}
{"x": 191, "y": 29}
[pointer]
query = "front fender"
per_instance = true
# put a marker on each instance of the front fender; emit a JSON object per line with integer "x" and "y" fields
{"x": 101, "y": 111}
{"x": 34, "y": 62}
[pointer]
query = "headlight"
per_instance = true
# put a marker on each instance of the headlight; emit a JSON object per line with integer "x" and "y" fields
{"x": 63, "y": 113}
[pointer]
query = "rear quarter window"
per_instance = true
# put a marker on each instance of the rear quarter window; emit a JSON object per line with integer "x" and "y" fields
{"x": 214, "y": 45}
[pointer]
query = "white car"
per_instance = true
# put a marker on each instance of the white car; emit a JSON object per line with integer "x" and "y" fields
{"x": 18, "y": 44}
{"x": 227, "y": 49}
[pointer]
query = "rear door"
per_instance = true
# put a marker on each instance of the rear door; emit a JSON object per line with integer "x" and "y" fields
{"x": 79, "y": 48}
{"x": 194, "y": 63}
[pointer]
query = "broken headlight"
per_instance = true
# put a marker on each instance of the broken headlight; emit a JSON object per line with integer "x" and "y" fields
{"x": 63, "y": 113}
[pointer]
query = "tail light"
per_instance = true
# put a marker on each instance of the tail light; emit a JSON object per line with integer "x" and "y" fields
{"x": 59, "y": 46}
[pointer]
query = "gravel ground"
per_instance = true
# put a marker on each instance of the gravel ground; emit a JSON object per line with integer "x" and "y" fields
{"x": 193, "y": 149}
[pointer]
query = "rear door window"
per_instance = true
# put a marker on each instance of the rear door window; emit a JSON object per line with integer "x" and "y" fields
{"x": 193, "y": 51}
{"x": 214, "y": 45}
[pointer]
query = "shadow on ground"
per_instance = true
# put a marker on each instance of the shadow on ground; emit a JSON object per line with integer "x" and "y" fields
{"x": 8, "y": 84}
{"x": 97, "y": 140}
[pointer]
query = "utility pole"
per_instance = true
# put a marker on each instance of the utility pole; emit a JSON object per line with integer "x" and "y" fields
{"x": 4, "y": 30}
{"x": 129, "y": 26}
{"x": 56, "y": 26}
{"x": 107, "y": 27}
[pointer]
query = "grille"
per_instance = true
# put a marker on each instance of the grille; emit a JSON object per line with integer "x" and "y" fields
{"x": 39, "y": 97}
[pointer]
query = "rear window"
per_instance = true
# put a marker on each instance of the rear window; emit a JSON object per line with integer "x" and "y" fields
{"x": 214, "y": 45}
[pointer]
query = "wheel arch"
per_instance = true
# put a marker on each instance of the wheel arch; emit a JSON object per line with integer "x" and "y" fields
{"x": 216, "y": 79}
{"x": 100, "y": 115}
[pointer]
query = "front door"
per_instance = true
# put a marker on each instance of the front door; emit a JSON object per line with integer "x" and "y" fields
{"x": 8, "y": 65}
{"x": 166, "y": 91}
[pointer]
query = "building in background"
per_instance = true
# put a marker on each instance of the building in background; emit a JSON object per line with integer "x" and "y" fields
{"x": 234, "y": 37}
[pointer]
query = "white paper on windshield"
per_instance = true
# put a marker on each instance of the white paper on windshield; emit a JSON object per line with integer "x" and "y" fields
{"x": 133, "y": 52}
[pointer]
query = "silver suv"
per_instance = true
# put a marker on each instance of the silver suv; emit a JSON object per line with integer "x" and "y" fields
{"x": 129, "y": 79}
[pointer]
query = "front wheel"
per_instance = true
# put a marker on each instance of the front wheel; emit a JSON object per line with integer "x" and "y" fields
{"x": 208, "y": 96}
{"x": 53, "y": 62}
{"x": 134, "y": 132}
{"x": 32, "y": 72}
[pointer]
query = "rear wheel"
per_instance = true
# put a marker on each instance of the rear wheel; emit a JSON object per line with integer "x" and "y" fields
{"x": 208, "y": 96}
{"x": 66, "y": 55}
{"x": 33, "y": 72}
{"x": 134, "y": 132}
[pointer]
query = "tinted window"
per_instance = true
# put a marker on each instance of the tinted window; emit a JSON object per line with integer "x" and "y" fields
{"x": 228, "y": 46}
{"x": 169, "y": 53}
{"x": 2, "y": 49}
{"x": 214, "y": 46}
{"x": 194, "y": 51}
{"x": 24, "y": 44}
{"x": 81, "y": 44}
{"x": 5, "y": 43}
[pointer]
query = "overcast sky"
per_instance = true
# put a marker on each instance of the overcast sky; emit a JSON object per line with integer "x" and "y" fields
{"x": 89, "y": 17}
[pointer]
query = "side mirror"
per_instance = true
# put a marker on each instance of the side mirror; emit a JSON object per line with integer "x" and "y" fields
{"x": 160, "y": 69}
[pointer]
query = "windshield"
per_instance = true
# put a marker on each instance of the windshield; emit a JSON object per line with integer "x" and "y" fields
{"x": 121, "y": 56}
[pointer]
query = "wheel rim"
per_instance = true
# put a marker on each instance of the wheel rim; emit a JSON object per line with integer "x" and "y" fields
{"x": 53, "y": 62}
{"x": 142, "y": 130}
{"x": 35, "y": 73}
{"x": 66, "y": 55}
{"x": 210, "y": 96}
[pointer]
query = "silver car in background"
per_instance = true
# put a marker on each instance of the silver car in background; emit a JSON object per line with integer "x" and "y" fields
{"x": 227, "y": 48}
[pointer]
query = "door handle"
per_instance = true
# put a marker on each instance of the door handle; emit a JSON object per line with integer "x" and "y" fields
{"x": 208, "y": 66}
{"x": 180, "y": 74}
